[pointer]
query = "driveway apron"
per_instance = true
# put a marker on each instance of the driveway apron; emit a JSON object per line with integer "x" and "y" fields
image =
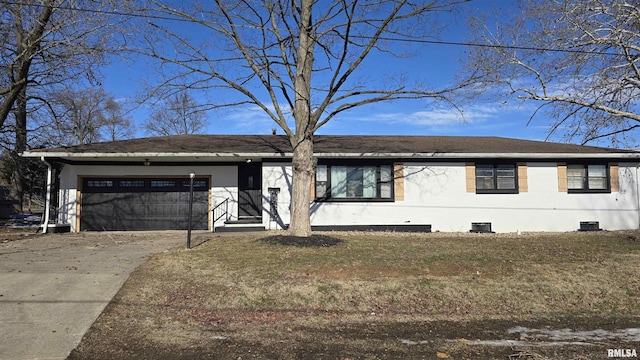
{"x": 53, "y": 287}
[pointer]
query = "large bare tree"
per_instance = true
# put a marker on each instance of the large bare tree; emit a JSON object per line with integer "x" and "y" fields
{"x": 179, "y": 114}
{"x": 579, "y": 61}
{"x": 46, "y": 43}
{"x": 300, "y": 61}
{"x": 43, "y": 45}
{"x": 22, "y": 32}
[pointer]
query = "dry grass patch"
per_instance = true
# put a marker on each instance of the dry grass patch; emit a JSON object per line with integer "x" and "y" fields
{"x": 251, "y": 290}
{"x": 423, "y": 275}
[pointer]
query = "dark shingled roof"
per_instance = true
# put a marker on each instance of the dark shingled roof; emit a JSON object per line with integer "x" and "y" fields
{"x": 278, "y": 144}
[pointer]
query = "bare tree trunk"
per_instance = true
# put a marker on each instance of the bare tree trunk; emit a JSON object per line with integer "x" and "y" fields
{"x": 17, "y": 178}
{"x": 28, "y": 46}
{"x": 303, "y": 170}
{"x": 302, "y": 142}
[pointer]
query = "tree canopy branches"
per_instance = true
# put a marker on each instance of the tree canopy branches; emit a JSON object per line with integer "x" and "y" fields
{"x": 254, "y": 48}
{"x": 569, "y": 69}
{"x": 298, "y": 61}
{"x": 179, "y": 114}
{"x": 44, "y": 44}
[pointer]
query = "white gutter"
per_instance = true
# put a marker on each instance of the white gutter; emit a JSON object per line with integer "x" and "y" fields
{"x": 47, "y": 201}
{"x": 142, "y": 154}
{"x": 205, "y": 156}
{"x": 486, "y": 155}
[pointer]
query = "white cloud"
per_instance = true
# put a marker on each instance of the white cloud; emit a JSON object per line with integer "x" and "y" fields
{"x": 248, "y": 119}
{"x": 253, "y": 120}
{"x": 437, "y": 117}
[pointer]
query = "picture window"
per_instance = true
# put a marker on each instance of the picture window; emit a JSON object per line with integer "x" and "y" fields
{"x": 347, "y": 182}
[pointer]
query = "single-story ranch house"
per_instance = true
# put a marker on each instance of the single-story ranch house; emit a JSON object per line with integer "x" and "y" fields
{"x": 423, "y": 183}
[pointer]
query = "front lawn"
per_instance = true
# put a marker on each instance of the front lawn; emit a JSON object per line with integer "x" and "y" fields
{"x": 373, "y": 295}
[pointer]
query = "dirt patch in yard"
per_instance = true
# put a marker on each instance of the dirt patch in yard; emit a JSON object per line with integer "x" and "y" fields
{"x": 371, "y": 339}
{"x": 12, "y": 234}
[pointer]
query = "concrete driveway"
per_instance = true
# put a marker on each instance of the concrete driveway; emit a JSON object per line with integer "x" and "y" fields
{"x": 53, "y": 287}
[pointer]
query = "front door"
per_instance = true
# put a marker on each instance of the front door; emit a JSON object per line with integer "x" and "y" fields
{"x": 250, "y": 190}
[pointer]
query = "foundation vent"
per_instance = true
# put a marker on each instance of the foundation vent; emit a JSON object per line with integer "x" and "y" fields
{"x": 590, "y": 226}
{"x": 481, "y": 227}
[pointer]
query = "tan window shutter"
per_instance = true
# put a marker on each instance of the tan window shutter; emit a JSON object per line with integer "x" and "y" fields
{"x": 471, "y": 177}
{"x": 523, "y": 181}
{"x": 398, "y": 181}
{"x": 614, "y": 177}
{"x": 562, "y": 177}
{"x": 313, "y": 186}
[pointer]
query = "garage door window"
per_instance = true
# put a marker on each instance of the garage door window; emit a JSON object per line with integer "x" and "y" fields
{"x": 163, "y": 183}
{"x": 131, "y": 183}
{"x": 197, "y": 183}
{"x": 100, "y": 183}
{"x": 96, "y": 185}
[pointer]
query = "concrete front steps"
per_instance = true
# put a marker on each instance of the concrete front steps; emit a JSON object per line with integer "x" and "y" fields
{"x": 241, "y": 225}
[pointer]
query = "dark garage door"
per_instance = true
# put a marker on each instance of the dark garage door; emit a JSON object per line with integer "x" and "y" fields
{"x": 142, "y": 204}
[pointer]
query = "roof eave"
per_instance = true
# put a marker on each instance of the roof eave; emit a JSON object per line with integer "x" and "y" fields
{"x": 438, "y": 155}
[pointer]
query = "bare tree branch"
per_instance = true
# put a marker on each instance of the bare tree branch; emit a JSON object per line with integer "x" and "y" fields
{"x": 591, "y": 88}
{"x": 26, "y": 48}
{"x": 180, "y": 114}
{"x": 86, "y": 116}
{"x": 299, "y": 61}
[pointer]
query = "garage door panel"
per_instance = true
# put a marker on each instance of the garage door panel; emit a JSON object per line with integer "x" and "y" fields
{"x": 149, "y": 209}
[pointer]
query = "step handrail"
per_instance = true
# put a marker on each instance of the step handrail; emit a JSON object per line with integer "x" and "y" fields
{"x": 221, "y": 210}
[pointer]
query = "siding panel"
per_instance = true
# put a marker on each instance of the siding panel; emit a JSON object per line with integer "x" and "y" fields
{"x": 615, "y": 177}
{"x": 398, "y": 181}
{"x": 523, "y": 180}
{"x": 471, "y": 177}
{"x": 562, "y": 177}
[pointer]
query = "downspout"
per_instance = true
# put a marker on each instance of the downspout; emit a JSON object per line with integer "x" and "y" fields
{"x": 638, "y": 194}
{"x": 47, "y": 201}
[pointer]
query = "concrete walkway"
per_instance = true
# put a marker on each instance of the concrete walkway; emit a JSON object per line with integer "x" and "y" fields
{"x": 53, "y": 287}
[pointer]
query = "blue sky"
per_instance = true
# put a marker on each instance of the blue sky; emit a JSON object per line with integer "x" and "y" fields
{"x": 434, "y": 63}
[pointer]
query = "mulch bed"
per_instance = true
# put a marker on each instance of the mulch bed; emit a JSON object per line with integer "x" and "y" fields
{"x": 311, "y": 241}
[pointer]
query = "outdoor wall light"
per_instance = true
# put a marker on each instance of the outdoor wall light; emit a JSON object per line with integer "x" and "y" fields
{"x": 147, "y": 162}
